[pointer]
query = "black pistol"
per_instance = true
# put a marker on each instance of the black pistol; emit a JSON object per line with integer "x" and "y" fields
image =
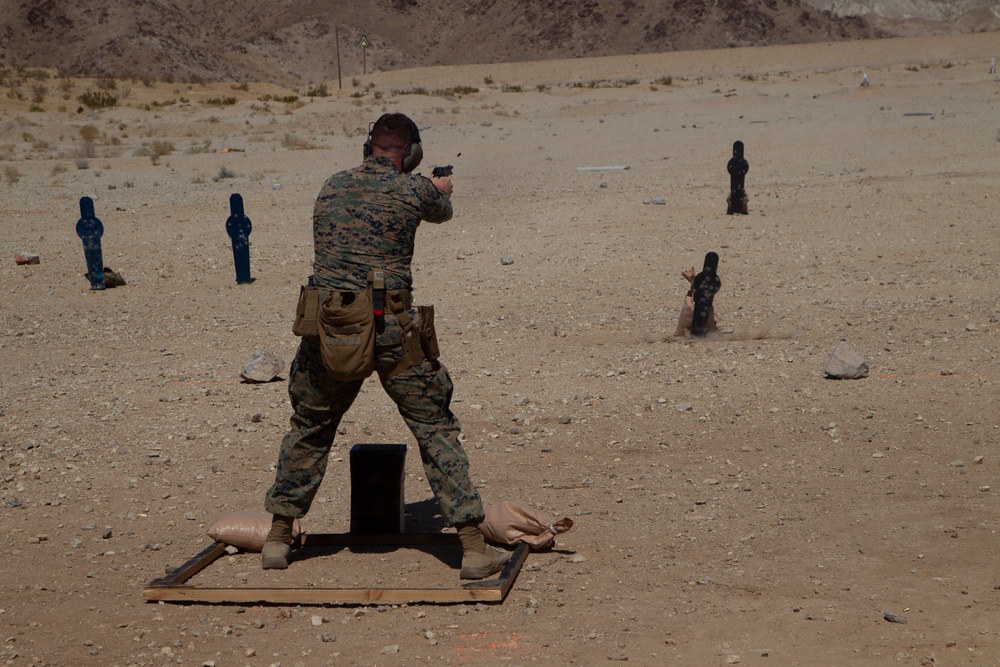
{"x": 441, "y": 172}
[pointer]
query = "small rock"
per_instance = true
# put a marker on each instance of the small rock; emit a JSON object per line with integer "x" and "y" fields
{"x": 21, "y": 259}
{"x": 13, "y": 502}
{"x": 578, "y": 558}
{"x": 733, "y": 660}
{"x": 392, "y": 648}
{"x": 656, "y": 201}
{"x": 264, "y": 366}
{"x": 327, "y": 637}
{"x": 106, "y": 533}
{"x": 684, "y": 407}
{"x": 506, "y": 260}
{"x": 316, "y": 621}
{"x": 894, "y": 618}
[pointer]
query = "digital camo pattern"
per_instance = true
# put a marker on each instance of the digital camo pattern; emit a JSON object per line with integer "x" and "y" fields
{"x": 368, "y": 217}
{"x": 423, "y": 396}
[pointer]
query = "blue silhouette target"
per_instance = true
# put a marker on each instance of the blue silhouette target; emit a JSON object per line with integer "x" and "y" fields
{"x": 90, "y": 230}
{"x": 238, "y": 227}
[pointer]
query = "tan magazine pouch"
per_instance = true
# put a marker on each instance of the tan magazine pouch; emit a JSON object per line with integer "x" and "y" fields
{"x": 307, "y": 310}
{"x": 347, "y": 335}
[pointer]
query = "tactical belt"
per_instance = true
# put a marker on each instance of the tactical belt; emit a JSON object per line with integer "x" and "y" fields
{"x": 397, "y": 302}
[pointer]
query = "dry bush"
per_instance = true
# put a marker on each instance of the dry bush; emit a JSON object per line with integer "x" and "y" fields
{"x": 295, "y": 143}
{"x": 224, "y": 172}
{"x": 161, "y": 148}
{"x": 89, "y": 133}
{"x": 11, "y": 175}
{"x": 99, "y": 99}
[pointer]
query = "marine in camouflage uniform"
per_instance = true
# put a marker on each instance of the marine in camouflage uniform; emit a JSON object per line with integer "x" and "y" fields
{"x": 366, "y": 218}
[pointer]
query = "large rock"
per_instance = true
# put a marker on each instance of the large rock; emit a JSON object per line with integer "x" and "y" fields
{"x": 846, "y": 364}
{"x": 264, "y": 366}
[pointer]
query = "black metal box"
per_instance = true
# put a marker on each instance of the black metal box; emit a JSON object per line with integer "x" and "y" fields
{"x": 377, "y": 473}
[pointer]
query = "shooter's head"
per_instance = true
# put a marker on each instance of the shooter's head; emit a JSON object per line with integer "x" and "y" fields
{"x": 397, "y": 137}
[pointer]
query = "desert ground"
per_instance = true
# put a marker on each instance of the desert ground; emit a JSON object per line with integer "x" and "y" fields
{"x": 732, "y": 505}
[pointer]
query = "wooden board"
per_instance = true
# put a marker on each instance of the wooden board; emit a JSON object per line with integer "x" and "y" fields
{"x": 175, "y": 587}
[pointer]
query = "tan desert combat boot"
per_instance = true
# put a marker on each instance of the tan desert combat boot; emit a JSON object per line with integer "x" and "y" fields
{"x": 278, "y": 545}
{"x": 479, "y": 560}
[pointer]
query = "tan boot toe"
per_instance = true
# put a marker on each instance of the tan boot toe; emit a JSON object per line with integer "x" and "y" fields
{"x": 274, "y": 556}
{"x": 481, "y": 565}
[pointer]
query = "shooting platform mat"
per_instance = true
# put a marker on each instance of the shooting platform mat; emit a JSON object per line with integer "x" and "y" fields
{"x": 175, "y": 587}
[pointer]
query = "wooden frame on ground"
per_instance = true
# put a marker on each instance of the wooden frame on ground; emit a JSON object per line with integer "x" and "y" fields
{"x": 175, "y": 587}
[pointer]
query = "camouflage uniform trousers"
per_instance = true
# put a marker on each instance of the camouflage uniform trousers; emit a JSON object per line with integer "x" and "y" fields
{"x": 421, "y": 393}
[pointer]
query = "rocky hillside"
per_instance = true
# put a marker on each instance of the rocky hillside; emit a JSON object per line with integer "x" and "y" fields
{"x": 297, "y": 42}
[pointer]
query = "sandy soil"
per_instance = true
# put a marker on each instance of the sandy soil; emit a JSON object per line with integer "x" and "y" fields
{"x": 732, "y": 505}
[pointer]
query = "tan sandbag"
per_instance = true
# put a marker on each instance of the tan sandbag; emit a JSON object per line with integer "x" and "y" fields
{"x": 511, "y": 521}
{"x": 246, "y": 530}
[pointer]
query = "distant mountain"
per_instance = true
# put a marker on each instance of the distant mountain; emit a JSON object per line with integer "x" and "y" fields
{"x": 919, "y": 17}
{"x": 296, "y": 42}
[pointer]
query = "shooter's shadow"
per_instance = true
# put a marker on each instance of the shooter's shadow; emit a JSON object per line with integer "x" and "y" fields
{"x": 422, "y": 517}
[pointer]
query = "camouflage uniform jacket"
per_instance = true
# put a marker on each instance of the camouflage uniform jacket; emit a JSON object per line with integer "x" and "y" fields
{"x": 367, "y": 217}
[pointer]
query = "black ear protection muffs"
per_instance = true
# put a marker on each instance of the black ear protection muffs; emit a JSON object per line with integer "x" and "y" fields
{"x": 414, "y": 152}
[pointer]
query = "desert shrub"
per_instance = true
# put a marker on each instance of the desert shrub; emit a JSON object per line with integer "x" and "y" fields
{"x": 11, "y": 175}
{"x": 664, "y": 81}
{"x": 318, "y": 91}
{"x": 59, "y": 169}
{"x": 89, "y": 133}
{"x": 220, "y": 101}
{"x": 205, "y": 147}
{"x": 224, "y": 172}
{"x": 82, "y": 163}
{"x": 488, "y": 80}
{"x": 86, "y": 149}
{"x": 296, "y": 143}
{"x": 511, "y": 88}
{"x": 38, "y": 93}
{"x": 243, "y": 86}
{"x": 161, "y": 148}
{"x": 456, "y": 90}
{"x": 98, "y": 99}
